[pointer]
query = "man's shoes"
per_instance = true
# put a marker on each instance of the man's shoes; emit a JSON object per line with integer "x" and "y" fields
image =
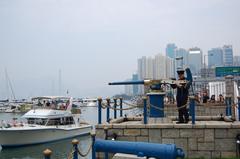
{"x": 186, "y": 121}
{"x": 179, "y": 122}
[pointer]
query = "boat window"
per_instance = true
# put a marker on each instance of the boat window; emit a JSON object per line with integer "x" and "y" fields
{"x": 54, "y": 121}
{"x": 37, "y": 121}
{"x": 61, "y": 121}
{"x": 70, "y": 120}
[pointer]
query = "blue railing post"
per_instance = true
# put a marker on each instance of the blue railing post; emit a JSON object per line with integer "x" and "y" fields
{"x": 192, "y": 108}
{"x": 93, "y": 135}
{"x": 108, "y": 110}
{"x": 144, "y": 110}
{"x": 99, "y": 110}
{"x": 238, "y": 108}
{"x": 121, "y": 111}
{"x": 228, "y": 106}
{"x": 47, "y": 154}
{"x": 115, "y": 107}
{"x": 75, "y": 143}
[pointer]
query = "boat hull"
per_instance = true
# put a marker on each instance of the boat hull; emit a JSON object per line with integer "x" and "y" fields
{"x": 16, "y": 138}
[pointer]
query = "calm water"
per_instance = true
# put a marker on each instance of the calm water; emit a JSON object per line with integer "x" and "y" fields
{"x": 61, "y": 149}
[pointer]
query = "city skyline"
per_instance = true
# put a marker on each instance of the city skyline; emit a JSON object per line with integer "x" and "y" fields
{"x": 96, "y": 42}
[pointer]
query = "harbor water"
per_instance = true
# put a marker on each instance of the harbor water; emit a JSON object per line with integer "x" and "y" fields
{"x": 61, "y": 149}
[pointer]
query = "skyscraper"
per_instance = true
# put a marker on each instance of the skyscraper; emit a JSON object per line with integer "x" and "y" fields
{"x": 142, "y": 67}
{"x": 236, "y": 61}
{"x": 128, "y": 88}
{"x": 227, "y": 55}
{"x": 135, "y": 87}
{"x": 160, "y": 66}
{"x": 150, "y": 68}
{"x": 184, "y": 54}
{"x": 215, "y": 57}
{"x": 195, "y": 60}
{"x": 157, "y": 67}
{"x": 170, "y": 50}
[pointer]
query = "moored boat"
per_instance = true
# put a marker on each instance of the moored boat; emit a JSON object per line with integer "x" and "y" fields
{"x": 43, "y": 125}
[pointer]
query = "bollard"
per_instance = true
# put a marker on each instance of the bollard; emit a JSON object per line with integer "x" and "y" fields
{"x": 228, "y": 106}
{"x": 106, "y": 137}
{"x": 99, "y": 110}
{"x": 156, "y": 104}
{"x": 238, "y": 108}
{"x": 115, "y": 107}
{"x": 75, "y": 143}
{"x": 47, "y": 154}
{"x": 108, "y": 110}
{"x": 144, "y": 110}
{"x": 93, "y": 135}
{"x": 121, "y": 111}
{"x": 192, "y": 108}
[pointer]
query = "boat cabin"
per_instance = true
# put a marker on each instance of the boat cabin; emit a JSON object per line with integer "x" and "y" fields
{"x": 49, "y": 117}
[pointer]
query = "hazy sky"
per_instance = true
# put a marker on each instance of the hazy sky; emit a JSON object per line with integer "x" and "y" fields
{"x": 94, "y": 42}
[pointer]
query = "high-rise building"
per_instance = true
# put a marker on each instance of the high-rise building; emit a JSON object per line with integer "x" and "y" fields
{"x": 170, "y": 67}
{"x": 159, "y": 67}
{"x": 150, "y": 67}
{"x": 142, "y": 67}
{"x": 227, "y": 55}
{"x": 128, "y": 88}
{"x": 135, "y": 87}
{"x": 182, "y": 56}
{"x": 195, "y": 60}
{"x": 170, "y": 50}
{"x": 215, "y": 57}
{"x": 236, "y": 61}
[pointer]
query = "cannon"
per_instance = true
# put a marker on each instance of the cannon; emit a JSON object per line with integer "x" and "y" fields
{"x": 155, "y": 85}
{"x": 156, "y": 94}
{"x": 140, "y": 149}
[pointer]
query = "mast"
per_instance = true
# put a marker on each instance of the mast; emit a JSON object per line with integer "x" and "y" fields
{"x": 60, "y": 82}
{"x": 9, "y": 83}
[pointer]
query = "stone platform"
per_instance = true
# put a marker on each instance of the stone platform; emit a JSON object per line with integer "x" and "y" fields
{"x": 208, "y": 139}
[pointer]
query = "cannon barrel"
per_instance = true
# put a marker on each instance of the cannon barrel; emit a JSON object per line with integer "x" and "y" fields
{"x": 139, "y": 148}
{"x": 128, "y": 82}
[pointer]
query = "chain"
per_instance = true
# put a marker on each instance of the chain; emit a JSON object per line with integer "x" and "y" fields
{"x": 162, "y": 109}
{"x": 156, "y": 107}
{"x": 130, "y": 104}
{"x": 104, "y": 105}
{"x": 70, "y": 155}
{"x": 85, "y": 154}
{"x": 132, "y": 107}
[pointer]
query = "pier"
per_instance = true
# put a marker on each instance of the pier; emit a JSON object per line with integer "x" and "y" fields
{"x": 208, "y": 136}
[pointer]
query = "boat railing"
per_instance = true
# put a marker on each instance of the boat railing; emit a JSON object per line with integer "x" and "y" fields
{"x": 9, "y": 124}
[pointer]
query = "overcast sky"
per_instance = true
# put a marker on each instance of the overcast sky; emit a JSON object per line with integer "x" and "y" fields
{"x": 94, "y": 42}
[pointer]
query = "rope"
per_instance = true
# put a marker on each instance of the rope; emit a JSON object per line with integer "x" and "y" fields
{"x": 85, "y": 154}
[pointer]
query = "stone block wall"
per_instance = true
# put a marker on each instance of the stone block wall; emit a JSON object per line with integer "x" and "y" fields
{"x": 209, "y": 109}
{"x": 208, "y": 140}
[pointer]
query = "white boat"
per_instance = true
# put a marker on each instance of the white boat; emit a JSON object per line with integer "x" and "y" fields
{"x": 89, "y": 102}
{"x": 43, "y": 125}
